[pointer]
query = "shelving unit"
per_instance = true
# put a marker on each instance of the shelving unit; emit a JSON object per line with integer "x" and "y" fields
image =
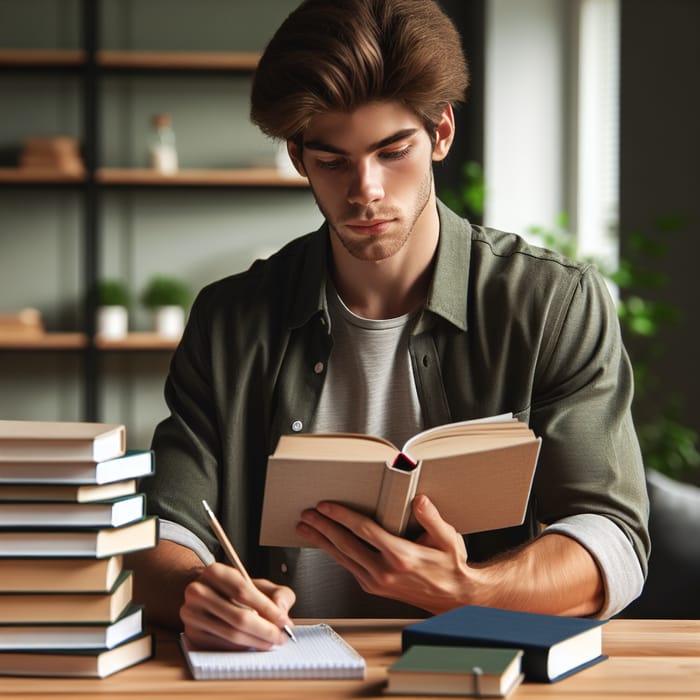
{"x": 91, "y": 65}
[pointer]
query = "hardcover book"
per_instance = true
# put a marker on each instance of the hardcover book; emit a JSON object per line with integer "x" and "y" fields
{"x": 466, "y": 671}
{"x": 68, "y": 607}
{"x": 36, "y": 575}
{"x": 73, "y": 635}
{"x": 100, "y": 542}
{"x": 113, "y": 513}
{"x": 477, "y": 473}
{"x": 75, "y": 493}
{"x": 131, "y": 465}
{"x": 28, "y": 440}
{"x": 553, "y": 647}
{"x": 87, "y": 663}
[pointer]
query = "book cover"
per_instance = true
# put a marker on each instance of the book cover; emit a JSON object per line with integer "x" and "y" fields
{"x": 68, "y": 607}
{"x": 132, "y": 464}
{"x": 112, "y": 513}
{"x": 477, "y": 473}
{"x": 554, "y": 647}
{"x": 99, "y": 543}
{"x": 74, "y": 635}
{"x": 37, "y": 575}
{"x": 90, "y": 663}
{"x": 443, "y": 670}
{"x": 28, "y": 440}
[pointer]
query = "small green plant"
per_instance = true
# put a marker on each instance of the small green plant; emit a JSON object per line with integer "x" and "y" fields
{"x": 469, "y": 198}
{"x": 112, "y": 292}
{"x": 166, "y": 291}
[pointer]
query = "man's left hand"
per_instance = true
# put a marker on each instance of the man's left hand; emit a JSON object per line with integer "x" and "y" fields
{"x": 430, "y": 573}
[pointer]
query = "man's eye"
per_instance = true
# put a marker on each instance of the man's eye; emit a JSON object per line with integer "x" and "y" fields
{"x": 331, "y": 164}
{"x": 395, "y": 154}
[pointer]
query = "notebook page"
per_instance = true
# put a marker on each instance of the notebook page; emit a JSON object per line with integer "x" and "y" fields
{"x": 319, "y": 653}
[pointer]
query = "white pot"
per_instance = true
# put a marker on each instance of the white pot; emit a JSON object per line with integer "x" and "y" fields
{"x": 112, "y": 322}
{"x": 169, "y": 321}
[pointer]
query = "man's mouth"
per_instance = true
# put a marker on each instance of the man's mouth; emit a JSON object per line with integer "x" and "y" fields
{"x": 374, "y": 226}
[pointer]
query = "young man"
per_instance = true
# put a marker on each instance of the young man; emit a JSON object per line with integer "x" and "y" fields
{"x": 396, "y": 315}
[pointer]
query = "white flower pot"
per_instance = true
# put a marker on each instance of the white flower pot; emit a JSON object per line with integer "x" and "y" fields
{"x": 169, "y": 321}
{"x": 112, "y": 322}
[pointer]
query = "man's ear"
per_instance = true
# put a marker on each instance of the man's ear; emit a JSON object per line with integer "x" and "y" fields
{"x": 444, "y": 134}
{"x": 294, "y": 150}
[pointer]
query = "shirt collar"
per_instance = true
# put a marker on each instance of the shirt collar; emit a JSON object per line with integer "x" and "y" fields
{"x": 447, "y": 295}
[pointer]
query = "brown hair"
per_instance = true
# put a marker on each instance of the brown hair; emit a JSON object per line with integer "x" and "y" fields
{"x": 337, "y": 55}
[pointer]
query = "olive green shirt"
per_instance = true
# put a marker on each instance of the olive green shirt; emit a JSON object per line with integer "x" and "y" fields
{"x": 506, "y": 327}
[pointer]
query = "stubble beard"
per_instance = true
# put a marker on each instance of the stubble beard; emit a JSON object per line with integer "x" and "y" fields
{"x": 382, "y": 246}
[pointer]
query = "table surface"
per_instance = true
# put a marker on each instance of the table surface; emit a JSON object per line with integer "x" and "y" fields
{"x": 648, "y": 659}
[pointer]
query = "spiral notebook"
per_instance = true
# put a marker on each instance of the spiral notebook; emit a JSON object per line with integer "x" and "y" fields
{"x": 320, "y": 652}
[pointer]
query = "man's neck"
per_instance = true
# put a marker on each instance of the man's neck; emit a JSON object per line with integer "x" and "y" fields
{"x": 394, "y": 286}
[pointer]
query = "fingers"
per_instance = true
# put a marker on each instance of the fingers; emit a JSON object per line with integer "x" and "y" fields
{"x": 326, "y": 517}
{"x": 282, "y": 596}
{"x": 223, "y": 610}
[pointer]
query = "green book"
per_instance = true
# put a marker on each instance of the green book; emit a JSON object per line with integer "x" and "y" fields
{"x": 466, "y": 671}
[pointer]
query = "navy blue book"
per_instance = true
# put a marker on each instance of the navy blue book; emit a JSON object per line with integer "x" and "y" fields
{"x": 554, "y": 647}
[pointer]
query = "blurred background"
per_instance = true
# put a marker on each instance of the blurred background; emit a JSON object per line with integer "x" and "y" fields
{"x": 580, "y": 131}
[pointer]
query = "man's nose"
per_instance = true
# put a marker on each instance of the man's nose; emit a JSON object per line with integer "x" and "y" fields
{"x": 366, "y": 184}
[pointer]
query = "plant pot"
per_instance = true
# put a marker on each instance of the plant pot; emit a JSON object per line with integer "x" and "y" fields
{"x": 112, "y": 322}
{"x": 169, "y": 321}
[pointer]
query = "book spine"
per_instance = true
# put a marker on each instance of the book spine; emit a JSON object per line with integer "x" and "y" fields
{"x": 395, "y": 497}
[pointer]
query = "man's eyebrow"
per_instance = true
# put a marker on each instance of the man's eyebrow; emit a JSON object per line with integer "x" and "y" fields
{"x": 315, "y": 145}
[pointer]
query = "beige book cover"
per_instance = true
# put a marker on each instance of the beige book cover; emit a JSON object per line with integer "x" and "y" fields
{"x": 68, "y": 607}
{"x": 478, "y": 474}
{"x": 56, "y": 575}
{"x": 60, "y": 441}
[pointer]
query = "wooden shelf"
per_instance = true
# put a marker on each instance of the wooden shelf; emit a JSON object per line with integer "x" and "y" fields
{"x": 178, "y": 60}
{"x": 42, "y": 57}
{"x": 38, "y": 175}
{"x": 236, "y": 177}
{"x": 79, "y": 341}
{"x": 43, "y": 341}
{"x": 137, "y": 341}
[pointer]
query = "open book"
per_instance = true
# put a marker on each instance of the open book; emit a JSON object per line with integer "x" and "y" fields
{"x": 477, "y": 473}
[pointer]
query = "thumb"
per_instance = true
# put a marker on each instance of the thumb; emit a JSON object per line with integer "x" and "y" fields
{"x": 438, "y": 534}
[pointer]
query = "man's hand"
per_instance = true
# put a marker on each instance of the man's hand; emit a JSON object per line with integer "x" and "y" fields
{"x": 223, "y": 611}
{"x": 552, "y": 574}
{"x": 430, "y": 573}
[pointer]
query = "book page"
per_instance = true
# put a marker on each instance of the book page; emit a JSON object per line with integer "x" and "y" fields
{"x": 334, "y": 446}
{"x": 318, "y": 653}
{"x": 460, "y": 428}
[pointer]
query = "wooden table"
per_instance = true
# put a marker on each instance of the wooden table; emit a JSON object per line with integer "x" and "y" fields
{"x": 649, "y": 659}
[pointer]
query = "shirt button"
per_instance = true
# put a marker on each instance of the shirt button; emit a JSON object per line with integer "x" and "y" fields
{"x": 297, "y": 426}
{"x": 284, "y": 568}
{"x": 318, "y": 367}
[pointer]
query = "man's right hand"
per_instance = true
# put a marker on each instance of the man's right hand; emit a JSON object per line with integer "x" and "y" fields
{"x": 223, "y": 611}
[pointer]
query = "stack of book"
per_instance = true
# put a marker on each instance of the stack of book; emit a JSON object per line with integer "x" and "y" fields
{"x": 52, "y": 153}
{"x": 486, "y": 652}
{"x": 69, "y": 510}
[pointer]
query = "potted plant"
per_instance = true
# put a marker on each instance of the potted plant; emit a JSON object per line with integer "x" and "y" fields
{"x": 167, "y": 297}
{"x": 112, "y": 297}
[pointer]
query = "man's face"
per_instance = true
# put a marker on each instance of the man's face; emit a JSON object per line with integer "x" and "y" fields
{"x": 371, "y": 174}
